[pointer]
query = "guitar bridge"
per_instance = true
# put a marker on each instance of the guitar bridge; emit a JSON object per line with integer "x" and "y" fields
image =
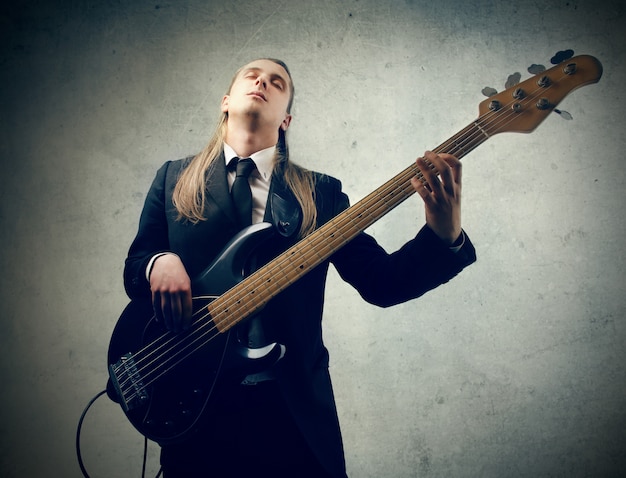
{"x": 128, "y": 383}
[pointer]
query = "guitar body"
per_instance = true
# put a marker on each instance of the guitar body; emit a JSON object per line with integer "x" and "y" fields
{"x": 163, "y": 381}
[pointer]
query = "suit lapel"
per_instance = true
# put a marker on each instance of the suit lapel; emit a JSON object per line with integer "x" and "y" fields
{"x": 282, "y": 209}
{"x": 217, "y": 188}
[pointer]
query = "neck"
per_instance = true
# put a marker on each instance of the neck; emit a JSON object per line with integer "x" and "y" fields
{"x": 248, "y": 140}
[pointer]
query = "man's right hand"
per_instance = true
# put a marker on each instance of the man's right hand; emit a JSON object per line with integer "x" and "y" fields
{"x": 171, "y": 293}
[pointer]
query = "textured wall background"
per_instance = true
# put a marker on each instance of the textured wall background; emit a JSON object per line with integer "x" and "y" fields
{"x": 515, "y": 368}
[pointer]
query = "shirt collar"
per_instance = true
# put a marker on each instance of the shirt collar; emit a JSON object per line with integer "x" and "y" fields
{"x": 264, "y": 160}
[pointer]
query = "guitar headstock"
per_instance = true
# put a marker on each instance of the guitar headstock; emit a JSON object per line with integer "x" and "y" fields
{"x": 524, "y": 106}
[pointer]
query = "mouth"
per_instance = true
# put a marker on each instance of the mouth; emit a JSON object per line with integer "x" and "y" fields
{"x": 258, "y": 94}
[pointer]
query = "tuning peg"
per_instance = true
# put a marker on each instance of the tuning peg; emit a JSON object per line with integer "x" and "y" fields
{"x": 564, "y": 114}
{"x": 488, "y": 91}
{"x": 535, "y": 69}
{"x": 512, "y": 80}
{"x": 561, "y": 56}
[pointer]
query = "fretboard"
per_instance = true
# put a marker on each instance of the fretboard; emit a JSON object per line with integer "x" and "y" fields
{"x": 256, "y": 290}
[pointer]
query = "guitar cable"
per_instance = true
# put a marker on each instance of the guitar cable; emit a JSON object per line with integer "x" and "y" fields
{"x": 78, "y": 431}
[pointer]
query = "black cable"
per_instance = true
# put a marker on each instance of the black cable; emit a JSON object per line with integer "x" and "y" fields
{"x": 145, "y": 457}
{"x": 78, "y": 429}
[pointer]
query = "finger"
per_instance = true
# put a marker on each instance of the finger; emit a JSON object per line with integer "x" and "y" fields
{"x": 187, "y": 309}
{"x": 175, "y": 310}
{"x": 429, "y": 172}
{"x": 455, "y": 165}
{"x": 166, "y": 310}
{"x": 156, "y": 306}
{"x": 421, "y": 187}
{"x": 449, "y": 168}
{"x": 444, "y": 179}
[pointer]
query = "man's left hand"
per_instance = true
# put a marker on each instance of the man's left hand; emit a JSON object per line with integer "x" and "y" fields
{"x": 441, "y": 193}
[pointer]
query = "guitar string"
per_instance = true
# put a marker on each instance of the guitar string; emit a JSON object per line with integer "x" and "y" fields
{"x": 456, "y": 145}
{"x": 462, "y": 148}
{"x": 477, "y": 135}
{"x": 453, "y": 150}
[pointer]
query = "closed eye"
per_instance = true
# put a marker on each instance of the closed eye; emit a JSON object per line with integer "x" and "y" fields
{"x": 276, "y": 80}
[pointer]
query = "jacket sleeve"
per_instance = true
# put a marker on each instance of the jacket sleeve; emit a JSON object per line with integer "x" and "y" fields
{"x": 386, "y": 279}
{"x": 151, "y": 238}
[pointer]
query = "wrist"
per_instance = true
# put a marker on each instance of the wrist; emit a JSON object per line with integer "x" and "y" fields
{"x": 458, "y": 244}
{"x": 153, "y": 259}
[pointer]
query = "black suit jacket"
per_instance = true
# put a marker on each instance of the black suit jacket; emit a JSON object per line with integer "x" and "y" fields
{"x": 294, "y": 317}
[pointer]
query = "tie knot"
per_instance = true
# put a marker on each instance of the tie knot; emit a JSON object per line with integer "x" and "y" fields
{"x": 245, "y": 167}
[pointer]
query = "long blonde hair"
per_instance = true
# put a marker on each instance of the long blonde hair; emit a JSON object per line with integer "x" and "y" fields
{"x": 189, "y": 193}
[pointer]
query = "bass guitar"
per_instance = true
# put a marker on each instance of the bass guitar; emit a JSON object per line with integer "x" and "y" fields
{"x": 164, "y": 381}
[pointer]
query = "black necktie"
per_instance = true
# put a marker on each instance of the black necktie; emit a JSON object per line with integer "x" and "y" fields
{"x": 242, "y": 197}
{"x": 240, "y": 192}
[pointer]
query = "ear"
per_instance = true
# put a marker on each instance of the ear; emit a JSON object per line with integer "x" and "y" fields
{"x": 225, "y": 103}
{"x": 286, "y": 122}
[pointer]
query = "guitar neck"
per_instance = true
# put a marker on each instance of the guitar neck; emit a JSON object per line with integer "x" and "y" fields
{"x": 520, "y": 108}
{"x": 256, "y": 290}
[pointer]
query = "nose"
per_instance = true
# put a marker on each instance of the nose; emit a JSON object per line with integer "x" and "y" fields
{"x": 261, "y": 80}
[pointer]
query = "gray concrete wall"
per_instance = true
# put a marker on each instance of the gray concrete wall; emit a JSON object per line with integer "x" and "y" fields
{"x": 515, "y": 368}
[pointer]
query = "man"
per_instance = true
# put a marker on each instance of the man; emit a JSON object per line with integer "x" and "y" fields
{"x": 281, "y": 422}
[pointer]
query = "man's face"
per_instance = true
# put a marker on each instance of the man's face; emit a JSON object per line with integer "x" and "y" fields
{"x": 261, "y": 91}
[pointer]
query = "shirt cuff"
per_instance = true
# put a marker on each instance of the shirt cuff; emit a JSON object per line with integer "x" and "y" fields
{"x": 459, "y": 243}
{"x": 151, "y": 262}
